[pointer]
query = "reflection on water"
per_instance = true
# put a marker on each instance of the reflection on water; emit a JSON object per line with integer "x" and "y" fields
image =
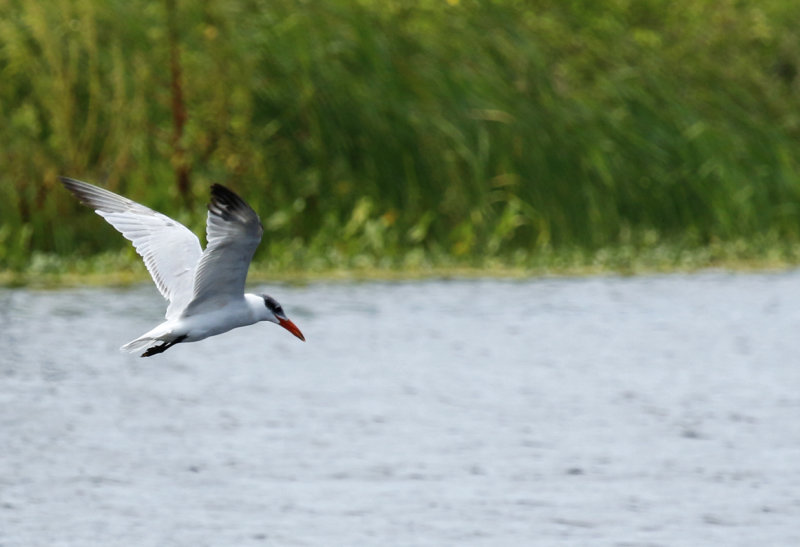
{"x": 650, "y": 410}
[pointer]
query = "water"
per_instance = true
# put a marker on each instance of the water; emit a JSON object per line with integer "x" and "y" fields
{"x": 604, "y": 411}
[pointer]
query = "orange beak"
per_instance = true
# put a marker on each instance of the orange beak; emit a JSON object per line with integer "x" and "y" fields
{"x": 291, "y": 327}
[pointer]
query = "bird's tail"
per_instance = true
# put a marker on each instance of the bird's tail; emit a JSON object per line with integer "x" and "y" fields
{"x": 159, "y": 336}
{"x": 140, "y": 343}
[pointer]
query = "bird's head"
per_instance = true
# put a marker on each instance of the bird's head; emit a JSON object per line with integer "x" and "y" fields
{"x": 276, "y": 315}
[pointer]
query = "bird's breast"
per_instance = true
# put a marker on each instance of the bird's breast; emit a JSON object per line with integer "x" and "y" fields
{"x": 203, "y": 325}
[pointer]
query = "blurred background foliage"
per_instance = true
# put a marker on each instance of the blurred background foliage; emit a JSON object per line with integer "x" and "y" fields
{"x": 400, "y": 133}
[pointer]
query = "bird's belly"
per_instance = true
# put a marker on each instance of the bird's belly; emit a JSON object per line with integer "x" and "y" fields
{"x": 198, "y": 327}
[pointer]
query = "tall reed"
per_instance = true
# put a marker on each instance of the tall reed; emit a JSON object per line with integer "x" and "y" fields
{"x": 393, "y": 129}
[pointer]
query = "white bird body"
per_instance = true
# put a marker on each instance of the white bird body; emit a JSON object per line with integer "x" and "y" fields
{"x": 192, "y": 328}
{"x": 205, "y": 289}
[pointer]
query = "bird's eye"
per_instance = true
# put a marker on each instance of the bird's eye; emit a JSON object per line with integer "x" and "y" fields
{"x": 272, "y": 305}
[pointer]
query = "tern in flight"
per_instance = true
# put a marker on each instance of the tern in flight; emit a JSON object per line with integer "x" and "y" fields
{"x": 205, "y": 289}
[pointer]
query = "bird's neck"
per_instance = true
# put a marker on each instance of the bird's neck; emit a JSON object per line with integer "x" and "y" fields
{"x": 256, "y": 305}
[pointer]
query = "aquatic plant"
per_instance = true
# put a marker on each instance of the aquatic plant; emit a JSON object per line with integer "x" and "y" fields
{"x": 401, "y": 133}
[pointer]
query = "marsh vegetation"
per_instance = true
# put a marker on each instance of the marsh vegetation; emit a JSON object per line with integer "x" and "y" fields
{"x": 408, "y": 135}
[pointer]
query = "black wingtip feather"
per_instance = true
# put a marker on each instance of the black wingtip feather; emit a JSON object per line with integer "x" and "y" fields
{"x": 226, "y": 197}
{"x": 70, "y": 184}
{"x": 227, "y": 204}
{"x": 78, "y": 189}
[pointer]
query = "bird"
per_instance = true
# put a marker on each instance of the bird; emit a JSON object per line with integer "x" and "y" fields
{"x": 204, "y": 288}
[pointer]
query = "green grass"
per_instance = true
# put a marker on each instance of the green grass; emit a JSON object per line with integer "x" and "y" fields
{"x": 125, "y": 267}
{"x": 411, "y": 136}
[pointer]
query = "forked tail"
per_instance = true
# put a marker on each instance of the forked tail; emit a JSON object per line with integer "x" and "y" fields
{"x": 156, "y": 341}
{"x": 135, "y": 345}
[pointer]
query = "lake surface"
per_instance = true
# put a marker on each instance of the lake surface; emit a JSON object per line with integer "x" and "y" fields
{"x": 644, "y": 411}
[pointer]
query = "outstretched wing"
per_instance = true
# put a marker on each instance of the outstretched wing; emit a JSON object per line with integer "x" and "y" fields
{"x": 234, "y": 232}
{"x": 170, "y": 250}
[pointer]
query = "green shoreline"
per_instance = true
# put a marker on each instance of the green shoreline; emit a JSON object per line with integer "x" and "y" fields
{"x": 125, "y": 269}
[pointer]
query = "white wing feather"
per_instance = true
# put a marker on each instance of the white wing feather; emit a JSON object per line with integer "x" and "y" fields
{"x": 171, "y": 252}
{"x": 234, "y": 231}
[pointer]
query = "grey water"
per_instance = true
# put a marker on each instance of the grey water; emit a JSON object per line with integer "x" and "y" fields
{"x": 642, "y": 411}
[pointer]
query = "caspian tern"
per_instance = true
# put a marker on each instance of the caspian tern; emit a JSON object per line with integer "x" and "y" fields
{"x": 205, "y": 289}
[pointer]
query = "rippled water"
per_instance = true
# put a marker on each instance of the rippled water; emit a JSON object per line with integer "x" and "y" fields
{"x": 603, "y": 411}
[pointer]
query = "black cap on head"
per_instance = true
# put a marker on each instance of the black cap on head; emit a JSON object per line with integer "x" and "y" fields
{"x": 272, "y": 305}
